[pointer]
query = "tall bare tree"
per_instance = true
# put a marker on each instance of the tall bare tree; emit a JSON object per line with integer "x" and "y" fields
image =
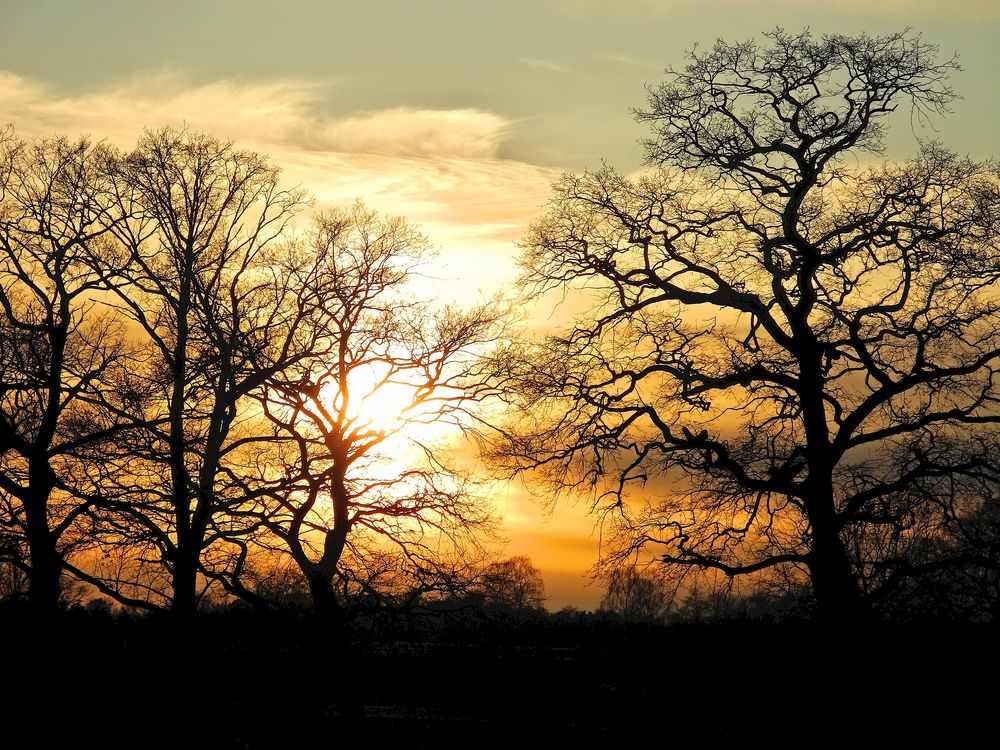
{"x": 794, "y": 348}
{"x": 367, "y": 479}
{"x": 195, "y": 220}
{"x": 58, "y": 355}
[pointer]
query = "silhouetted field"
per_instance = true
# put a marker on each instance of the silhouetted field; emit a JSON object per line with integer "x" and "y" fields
{"x": 290, "y": 683}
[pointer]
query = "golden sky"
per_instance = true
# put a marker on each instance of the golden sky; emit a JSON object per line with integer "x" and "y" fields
{"x": 457, "y": 114}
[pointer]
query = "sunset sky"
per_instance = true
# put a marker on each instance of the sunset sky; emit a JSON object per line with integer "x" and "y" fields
{"x": 457, "y": 114}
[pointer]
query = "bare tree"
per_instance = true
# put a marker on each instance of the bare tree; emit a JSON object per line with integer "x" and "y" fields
{"x": 514, "y": 582}
{"x": 14, "y": 565}
{"x": 637, "y": 596}
{"x": 793, "y": 349}
{"x": 58, "y": 355}
{"x": 195, "y": 219}
{"x": 366, "y": 477}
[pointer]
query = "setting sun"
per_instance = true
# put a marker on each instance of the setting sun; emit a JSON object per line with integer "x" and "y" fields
{"x": 377, "y": 401}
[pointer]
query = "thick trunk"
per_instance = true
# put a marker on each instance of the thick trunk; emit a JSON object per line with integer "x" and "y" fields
{"x": 185, "y": 564}
{"x": 838, "y": 598}
{"x": 835, "y": 587}
{"x": 320, "y": 575}
{"x": 45, "y": 562}
{"x": 185, "y": 584}
{"x": 323, "y": 599}
{"x": 45, "y": 571}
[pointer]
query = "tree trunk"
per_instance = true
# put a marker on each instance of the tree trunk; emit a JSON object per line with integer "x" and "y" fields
{"x": 45, "y": 561}
{"x": 185, "y": 584}
{"x": 838, "y": 599}
{"x": 323, "y": 599}
{"x": 185, "y": 572}
{"x": 45, "y": 564}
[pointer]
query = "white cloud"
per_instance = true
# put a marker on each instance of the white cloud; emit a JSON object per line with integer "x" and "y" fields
{"x": 404, "y": 131}
{"x": 535, "y": 62}
{"x": 439, "y": 168}
{"x": 267, "y": 112}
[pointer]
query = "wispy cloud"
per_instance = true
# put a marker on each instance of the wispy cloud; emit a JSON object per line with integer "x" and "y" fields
{"x": 438, "y": 167}
{"x": 468, "y": 133}
{"x": 663, "y": 8}
{"x": 537, "y": 62}
{"x": 273, "y": 112}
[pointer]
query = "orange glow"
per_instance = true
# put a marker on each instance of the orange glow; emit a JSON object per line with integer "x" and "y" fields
{"x": 389, "y": 404}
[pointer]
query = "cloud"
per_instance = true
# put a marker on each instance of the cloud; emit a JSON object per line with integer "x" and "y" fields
{"x": 268, "y": 112}
{"x": 666, "y": 8}
{"x": 534, "y": 62}
{"x": 468, "y": 133}
{"x": 438, "y": 167}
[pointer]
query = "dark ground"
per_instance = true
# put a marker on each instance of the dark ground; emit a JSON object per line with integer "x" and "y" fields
{"x": 231, "y": 681}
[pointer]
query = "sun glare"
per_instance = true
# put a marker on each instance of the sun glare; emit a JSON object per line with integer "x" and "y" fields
{"x": 393, "y": 405}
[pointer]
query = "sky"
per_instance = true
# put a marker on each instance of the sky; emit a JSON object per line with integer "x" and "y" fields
{"x": 457, "y": 114}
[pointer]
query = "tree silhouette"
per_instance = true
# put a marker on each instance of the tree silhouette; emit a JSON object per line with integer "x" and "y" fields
{"x": 363, "y": 480}
{"x": 636, "y": 596}
{"x": 794, "y": 348}
{"x": 59, "y": 361}
{"x": 514, "y": 582}
{"x": 194, "y": 218}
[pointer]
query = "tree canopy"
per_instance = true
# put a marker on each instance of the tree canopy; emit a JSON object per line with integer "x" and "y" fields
{"x": 791, "y": 353}
{"x": 191, "y": 391}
